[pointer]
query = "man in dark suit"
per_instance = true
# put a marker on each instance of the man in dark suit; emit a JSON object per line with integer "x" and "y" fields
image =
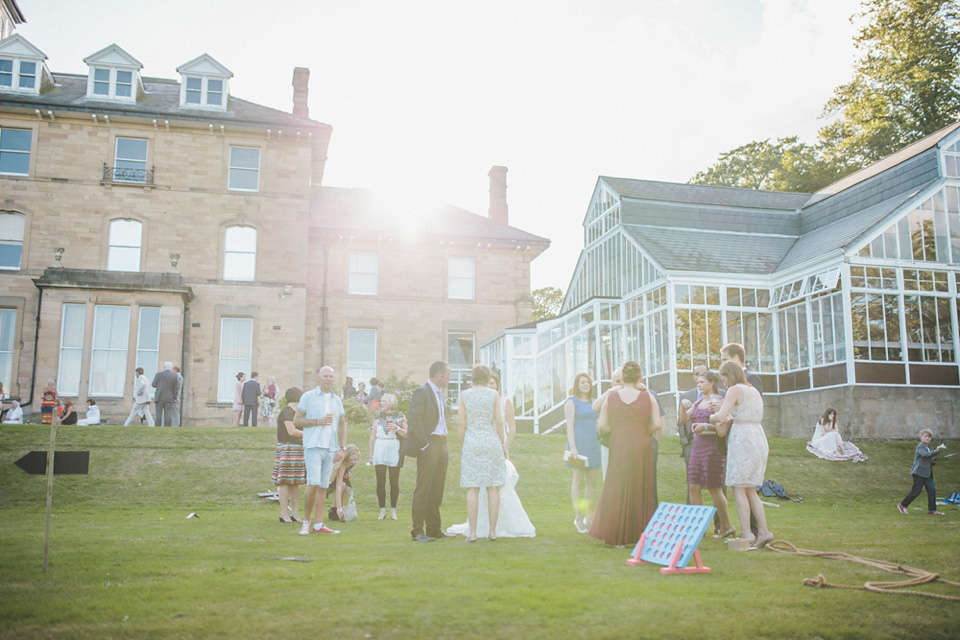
{"x": 735, "y": 352}
{"x": 427, "y": 442}
{"x": 168, "y": 388}
{"x": 250, "y": 396}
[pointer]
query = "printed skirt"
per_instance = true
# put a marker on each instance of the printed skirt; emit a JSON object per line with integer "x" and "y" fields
{"x": 289, "y": 467}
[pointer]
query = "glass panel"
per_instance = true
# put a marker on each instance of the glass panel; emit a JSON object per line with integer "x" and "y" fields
{"x": 8, "y": 324}
{"x": 362, "y": 354}
{"x": 236, "y": 354}
{"x": 240, "y": 253}
{"x": 101, "y": 82}
{"x": 461, "y": 278}
{"x": 363, "y": 273}
{"x": 6, "y": 72}
{"x": 123, "y": 252}
{"x": 108, "y": 360}
{"x": 148, "y": 340}
{"x": 28, "y": 74}
{"x": 15, "y": 151}
{"x": 124, "y": 83}
{"x": 244, "y": 168}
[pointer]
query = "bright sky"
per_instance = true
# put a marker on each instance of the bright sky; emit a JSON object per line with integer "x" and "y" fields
{"x": 424, "y": 96}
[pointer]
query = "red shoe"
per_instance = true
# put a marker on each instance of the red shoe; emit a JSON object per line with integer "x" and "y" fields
{"x": 901, "y": 508}
{"x": 323, "y": 529}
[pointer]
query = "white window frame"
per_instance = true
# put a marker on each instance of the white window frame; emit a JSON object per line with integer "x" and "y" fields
{"x": 112, "y": 84}
{"x": 17, "y": 75}
{"x": 12, "y": 238}
{"x": 116, "y": 369}
{"x": 227, "y": 368}
{"x": 229, "y": 253}
{"x": 113, "y": 244}
{"x": 458, "y": 283}
{"x": 8, "y": 328}
{"x": 363, "y": 278}
{"x": 66, "y": 385}
{"x": 460, "y": 376}
{"x": 231, "y": 167}
{"x": 16, "y": 151}
{"x": 361, "y": 369}
{"x": 204, "y": 92}
{"x": 117, "y": 159}
{"x": 148, "y": 357}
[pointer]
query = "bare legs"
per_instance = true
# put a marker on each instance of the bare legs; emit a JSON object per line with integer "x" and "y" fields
{"x": 316, "y": 499}
{"x": 236, "y": 418}
{"x": 493, "y": 504}
{"x": 289, "y": 500}
{"x": 719, "y": 501}
{"x": 748, "y": 501}
{"x": 472, "y": 495}
{"x": 583, "y": 494}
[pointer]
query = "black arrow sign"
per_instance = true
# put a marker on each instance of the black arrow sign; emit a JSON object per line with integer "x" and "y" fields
{"x": 64, "y": 462}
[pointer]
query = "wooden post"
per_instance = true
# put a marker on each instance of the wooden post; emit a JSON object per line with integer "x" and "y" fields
{"x": 50, "y": 457}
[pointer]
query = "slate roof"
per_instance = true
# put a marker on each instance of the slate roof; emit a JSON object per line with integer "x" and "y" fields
{"x": 354, "y": 210}
{"x": 701, "y": 194}
{"x": 161, "y": 100}
{"x": 691, "y": 250}
{"x": 847, "y": 230}
{"x": 886, "y": 163}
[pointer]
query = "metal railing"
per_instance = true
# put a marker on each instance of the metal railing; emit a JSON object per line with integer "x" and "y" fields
{"x": 127, "y": 176}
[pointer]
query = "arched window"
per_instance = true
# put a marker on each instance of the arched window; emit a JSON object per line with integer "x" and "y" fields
{"x": 240, "y": 253}
{"x": 11, "y": 240}
{"x": 123, "y": 251}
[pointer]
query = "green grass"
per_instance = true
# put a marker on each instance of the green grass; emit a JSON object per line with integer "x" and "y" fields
{"x": 126, "y": 563}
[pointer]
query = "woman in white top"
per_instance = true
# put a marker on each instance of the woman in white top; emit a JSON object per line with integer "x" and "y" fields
{"x": 388, "y": 427}
{"x": 93, "y": 414}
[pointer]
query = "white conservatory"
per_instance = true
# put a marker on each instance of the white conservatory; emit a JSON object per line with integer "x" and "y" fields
{"x": 846, "y": 298}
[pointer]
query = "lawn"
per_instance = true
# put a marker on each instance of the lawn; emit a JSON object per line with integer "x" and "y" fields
{"x": 125, "y": 562}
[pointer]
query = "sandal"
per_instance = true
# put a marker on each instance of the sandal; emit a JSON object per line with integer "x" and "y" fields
{"x": 726, "y": 534}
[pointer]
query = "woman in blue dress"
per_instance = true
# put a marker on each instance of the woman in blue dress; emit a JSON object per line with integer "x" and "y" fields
{"x": 582, "y": 441}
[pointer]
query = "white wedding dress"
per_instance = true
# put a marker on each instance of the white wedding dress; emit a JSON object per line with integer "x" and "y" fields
{"x": 828, "y": 445}
{"x": 512, "y": 521}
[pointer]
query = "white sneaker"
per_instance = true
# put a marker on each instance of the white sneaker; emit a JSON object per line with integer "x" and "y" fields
{"x": 305, "y": 528}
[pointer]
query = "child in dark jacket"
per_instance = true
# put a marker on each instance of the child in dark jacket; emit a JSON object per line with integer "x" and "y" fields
{"x": 922, "y": 472}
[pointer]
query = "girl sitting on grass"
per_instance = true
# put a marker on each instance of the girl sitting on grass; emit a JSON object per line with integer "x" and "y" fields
{"x": 344, "y": 508}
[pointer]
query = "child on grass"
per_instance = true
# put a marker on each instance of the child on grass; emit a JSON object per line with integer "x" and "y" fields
{"x": 922, "y": 472}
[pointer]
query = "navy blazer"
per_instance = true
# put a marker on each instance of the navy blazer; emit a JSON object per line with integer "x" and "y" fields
{"x": 422, "y": 420}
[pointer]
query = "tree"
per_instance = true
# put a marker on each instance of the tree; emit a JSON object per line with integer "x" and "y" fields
{"x": 546, "y": 302}
{"x": 905, "y": 84}
{"x": 786, "y": 165}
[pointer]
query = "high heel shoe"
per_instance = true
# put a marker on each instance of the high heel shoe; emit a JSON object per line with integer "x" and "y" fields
{"x": 726, "y": 534}
{"x": 762, "y": 541}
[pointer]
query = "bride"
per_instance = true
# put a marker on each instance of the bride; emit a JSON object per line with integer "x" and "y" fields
{"x": 826, "y": 442}
{"x": 512, "y": 521}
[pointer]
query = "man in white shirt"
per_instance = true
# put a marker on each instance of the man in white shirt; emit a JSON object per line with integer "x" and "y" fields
{"x": 141, "y": 398}
{"x": 14, "y": 414}
{"x": 93, "y": 414}
{"x": 321, "y": 416}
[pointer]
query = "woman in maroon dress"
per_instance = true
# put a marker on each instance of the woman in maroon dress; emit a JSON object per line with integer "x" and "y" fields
{"x": 626, "y": 501}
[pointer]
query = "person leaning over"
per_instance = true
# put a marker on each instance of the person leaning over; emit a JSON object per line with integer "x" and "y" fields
{"x": 320, "y": 415}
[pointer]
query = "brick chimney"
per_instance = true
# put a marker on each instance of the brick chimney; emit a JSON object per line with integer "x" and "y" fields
{"x": 498, "y": 194}
{"x": 301, "y": 77}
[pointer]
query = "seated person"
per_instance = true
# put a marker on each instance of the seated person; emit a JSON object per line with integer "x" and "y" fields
{"x": 69, "y": 415}
{"x": 93, "y": 414}
{"x": 14, "y": 414}
{"x": 827, "y": 443}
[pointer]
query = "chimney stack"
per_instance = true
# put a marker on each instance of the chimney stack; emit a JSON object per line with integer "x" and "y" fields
{"x": 301, "y": 77}
{"x": 498, "y": 194}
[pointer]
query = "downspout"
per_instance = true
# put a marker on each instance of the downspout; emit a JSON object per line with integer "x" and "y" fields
{"x": 184, "y": 350}
{"x": 36, "y": 344}
{"x": 323, "y": 308}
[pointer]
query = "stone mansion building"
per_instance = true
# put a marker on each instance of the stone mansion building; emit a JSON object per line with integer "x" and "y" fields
{"x": 149, "y": 219}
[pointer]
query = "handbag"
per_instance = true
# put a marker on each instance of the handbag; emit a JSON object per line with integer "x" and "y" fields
{"x": 603, "y": 437}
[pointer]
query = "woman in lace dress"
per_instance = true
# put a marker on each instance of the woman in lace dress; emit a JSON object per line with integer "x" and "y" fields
{"x": 512, "y": 520}
{"x": 747, "y": 449}
{"x": 482, "y": 449}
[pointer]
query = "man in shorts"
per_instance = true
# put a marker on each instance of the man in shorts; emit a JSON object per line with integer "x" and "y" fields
{"x": 320, "y": 414}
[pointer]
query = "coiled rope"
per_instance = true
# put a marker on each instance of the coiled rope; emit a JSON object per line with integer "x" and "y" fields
{"x": 916, "y": 577}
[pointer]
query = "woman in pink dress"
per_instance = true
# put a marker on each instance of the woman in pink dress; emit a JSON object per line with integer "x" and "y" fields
{"x": 626, "y": 501}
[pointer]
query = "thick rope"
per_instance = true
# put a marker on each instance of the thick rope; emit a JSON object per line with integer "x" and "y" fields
{"x": 917, "y": 576}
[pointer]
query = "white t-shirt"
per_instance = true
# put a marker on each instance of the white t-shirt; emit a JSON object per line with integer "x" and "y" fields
{"x": 14, "y": 416}
{"x": 316, "y": 404}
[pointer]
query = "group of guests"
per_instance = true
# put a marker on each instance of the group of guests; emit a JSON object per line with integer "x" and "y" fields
{"x": 54, "y": 410}
{"x": 167, "y": 397}
{"x": 251, "y": 400}
{"x": 727, "y": 446}
{"x": 370, "y": 399}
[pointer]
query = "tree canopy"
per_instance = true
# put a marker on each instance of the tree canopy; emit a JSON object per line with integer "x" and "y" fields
{"x": 546, "y": 302}
{"x": 905, "y": 85}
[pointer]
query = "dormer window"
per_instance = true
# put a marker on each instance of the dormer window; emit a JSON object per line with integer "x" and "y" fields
{"x": 114, "y": 75}
{"x": 204, "y": 84}
{"x": 21, "y": 66}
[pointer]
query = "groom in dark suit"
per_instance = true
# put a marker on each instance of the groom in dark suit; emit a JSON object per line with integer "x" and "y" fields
{"x": 427, "y": 442}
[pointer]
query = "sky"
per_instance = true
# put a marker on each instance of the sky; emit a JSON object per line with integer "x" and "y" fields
{"x": 424, "y": 96}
